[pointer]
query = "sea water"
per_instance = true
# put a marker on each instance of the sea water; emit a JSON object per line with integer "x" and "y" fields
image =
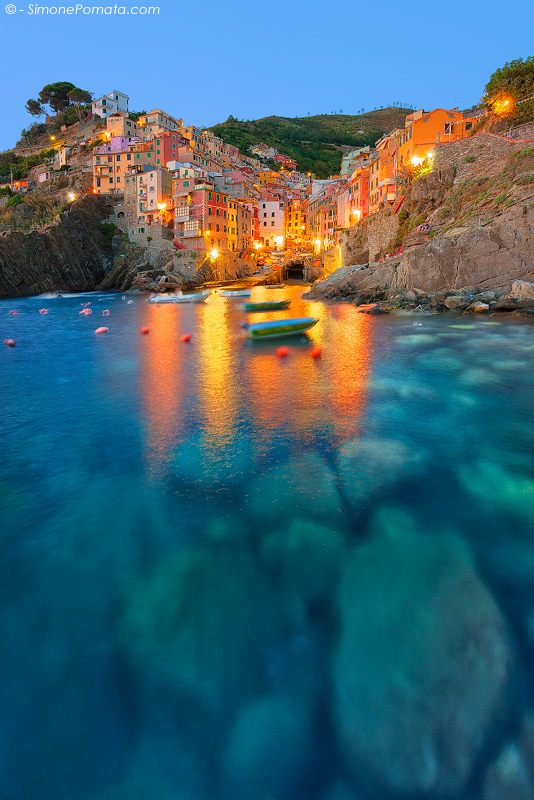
{"x": 231, "y": 575}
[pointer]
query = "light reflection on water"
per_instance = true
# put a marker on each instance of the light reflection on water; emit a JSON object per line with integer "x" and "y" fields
{"x": 230, "y": 575}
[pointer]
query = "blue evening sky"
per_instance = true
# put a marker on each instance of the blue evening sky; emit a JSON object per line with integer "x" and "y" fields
{"x": 204, "y": 61}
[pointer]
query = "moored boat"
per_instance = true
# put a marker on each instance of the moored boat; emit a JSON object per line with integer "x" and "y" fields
{"x": 236, "y": 293}
{"x": 267, "y": 306}
{"x": 259, "y": 331}
{"x": 275, "y": 286}
{"x": 197, "y": 297}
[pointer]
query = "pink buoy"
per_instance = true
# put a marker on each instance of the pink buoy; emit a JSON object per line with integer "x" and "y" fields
{"x": 10, "y": 342}
{"x": 84, "y": 305}
{"x": 14, "y": 313}
{"x": 101, "y": 330}
{"x": 282, "y": 352}
{"x": 145, "y": 330}
{"x": 43, "y": 311}
{"x": 86, "y": 312}
{"x": 105, "y": 313}
{"x": 186, "y": 337}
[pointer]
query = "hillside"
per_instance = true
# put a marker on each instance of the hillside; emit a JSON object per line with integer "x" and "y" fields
{"x": 314, "y": 142}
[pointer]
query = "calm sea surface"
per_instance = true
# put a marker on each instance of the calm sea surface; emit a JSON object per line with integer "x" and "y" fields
{"x": 226, "y": 575}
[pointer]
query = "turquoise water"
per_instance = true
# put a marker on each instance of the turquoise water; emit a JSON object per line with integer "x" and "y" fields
{"x": 227, "y": 575}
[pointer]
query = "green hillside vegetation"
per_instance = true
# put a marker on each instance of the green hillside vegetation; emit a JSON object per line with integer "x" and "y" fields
{"x": 314, "y": 142}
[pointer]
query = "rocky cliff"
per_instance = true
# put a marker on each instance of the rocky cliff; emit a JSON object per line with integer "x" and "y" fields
{"x": 72, "y": 254}
{"x": 478, "y": 209}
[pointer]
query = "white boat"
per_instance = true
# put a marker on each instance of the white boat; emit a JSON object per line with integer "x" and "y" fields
{"x": 197, "y": 297}
{"x": 236, "y": 293}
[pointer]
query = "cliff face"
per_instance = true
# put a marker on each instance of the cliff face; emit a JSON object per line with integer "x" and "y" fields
{"x": 72, "y": 255}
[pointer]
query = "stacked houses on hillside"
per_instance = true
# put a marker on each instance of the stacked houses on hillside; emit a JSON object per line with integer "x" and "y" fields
{"x": 204, "y": 193}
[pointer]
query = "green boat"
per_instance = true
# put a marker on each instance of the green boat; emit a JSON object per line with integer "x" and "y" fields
{"x": 267, "y": 306}
{"x": 259, "y": 331}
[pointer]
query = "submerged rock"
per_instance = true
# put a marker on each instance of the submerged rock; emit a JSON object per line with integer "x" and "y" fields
{"x": 499, "y": 489}
{"x": 421, "y": 667}
{"x": 511, "y": 776}
{"x": 269, "y": 751}
{"x": 369, "y": 465}
{"x": 200, "y": 626}
{"x": 305, "y": 560}
{"x": 302, "y": 487}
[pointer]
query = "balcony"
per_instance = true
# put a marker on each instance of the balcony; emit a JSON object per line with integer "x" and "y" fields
{"x": 182, "y": 213}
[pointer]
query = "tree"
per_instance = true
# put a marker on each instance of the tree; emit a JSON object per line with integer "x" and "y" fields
{"x": 34, "y": 108}
{"x": 79, "y": 97}
{"x": 56, "y": 95}
{"x": 516, "y": 79}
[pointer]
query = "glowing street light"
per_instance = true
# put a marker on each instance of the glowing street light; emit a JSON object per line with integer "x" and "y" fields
{"x": 214, "y": 254}
{"x": 162, "y": 206}
{"x": 72, "y": 196}
{"x": 258, "y": 245}
{"x": 417, "y": 161}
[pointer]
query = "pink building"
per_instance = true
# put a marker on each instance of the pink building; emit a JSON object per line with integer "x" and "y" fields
{"x": 117, "y": 144}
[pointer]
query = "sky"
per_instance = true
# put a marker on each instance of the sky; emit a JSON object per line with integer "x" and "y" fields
{"x": 203, "y": 62}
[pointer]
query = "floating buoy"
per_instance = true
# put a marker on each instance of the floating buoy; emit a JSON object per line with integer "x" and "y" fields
{"x": 101, "y": 330}
{"x": 123, "y": 297}
{"x": 282, "y": 351}
{"x": 315, "y": 352}
{"x": 186, "y": 337}
{"x": 86, "y": 311}
{"x": 43, "y": 311}
{"x": 84, "y": 305}
{"x": 15, "y": 313}
{"x": 105, "y": 313}
{"x": 145, "y": 330}
{"x": 10, "y": 342}
{"x": 130, "y": 302}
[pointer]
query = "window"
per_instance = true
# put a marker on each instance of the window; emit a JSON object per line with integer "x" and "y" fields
{"x": 264, "y": 205}
{"x": 272, "y": 214}
{"x": 218, "y": 228}
{"x": 98, "y": 182}
{"x": 468, "y": 126}
{"x": 264, "y": 224}
{"x": 218, "y": 198}
{"x": 272, "y": 223}
{"x": 118, "y": 180}
{"x": 209, "y": 211}
{"x": 449, "y": 127}
{"x": 209, "y": 195}
{"x": 129, "y": 157}
{"x": 158, "y": 161}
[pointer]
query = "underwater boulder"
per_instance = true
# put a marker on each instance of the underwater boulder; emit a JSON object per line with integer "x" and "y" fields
{"x": 422, "y": 664}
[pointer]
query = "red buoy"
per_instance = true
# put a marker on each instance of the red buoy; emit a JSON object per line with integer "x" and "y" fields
{"x": 43, "y": 311}
{"x": 84, "y": 305}
{"x": 14, "y": 313}
{"x": 101, "y": 330}
{"x": 282, "y": 351}
{"x": 85, "y": 312}
{"x": 105, "y": 313}
{"x": 186, "y": 337}
{"x": 315, "y": 352}
{"x": 10, "y": 342}
{"x": 145, "y": 330}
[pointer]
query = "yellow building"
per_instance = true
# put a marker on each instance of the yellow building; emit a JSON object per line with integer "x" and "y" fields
{"x": 109, "y": 169}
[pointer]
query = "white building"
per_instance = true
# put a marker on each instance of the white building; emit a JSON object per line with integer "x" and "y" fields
{"x": 271, "y": 223}
{"x": 110, "y": 103}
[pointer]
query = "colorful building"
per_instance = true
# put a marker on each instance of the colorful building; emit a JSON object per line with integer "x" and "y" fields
{"x": 148, "y": 195}
{"x": 110, "y": 103}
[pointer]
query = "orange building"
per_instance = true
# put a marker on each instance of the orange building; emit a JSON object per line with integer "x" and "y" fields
{"x": 382, "y": 169}
{"x": 423, "y": 130}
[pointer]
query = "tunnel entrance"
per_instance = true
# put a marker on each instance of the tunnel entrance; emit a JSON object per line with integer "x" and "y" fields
{"x": 295, "y": 272}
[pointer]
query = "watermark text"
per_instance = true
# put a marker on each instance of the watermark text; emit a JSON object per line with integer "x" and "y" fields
{"x": 33, "y": 9}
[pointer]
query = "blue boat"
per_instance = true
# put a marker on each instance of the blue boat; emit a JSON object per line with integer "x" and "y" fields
{"x": 259, "y": 331}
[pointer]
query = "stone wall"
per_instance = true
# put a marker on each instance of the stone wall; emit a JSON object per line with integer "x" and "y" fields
{"x": 369, "y": 239}
{"x": 488, "y": 150}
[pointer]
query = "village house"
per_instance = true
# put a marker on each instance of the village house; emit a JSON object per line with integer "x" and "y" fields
{"x": 110, "y": 103}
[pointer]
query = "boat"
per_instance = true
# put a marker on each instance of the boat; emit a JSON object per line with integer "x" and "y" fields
{"x": 236, "y": 293}
{"x": 267, "y": 306}
{"x": 259, "y": 331}
{"x": 275, "y": 286}
{"x": 197, "y": 297}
